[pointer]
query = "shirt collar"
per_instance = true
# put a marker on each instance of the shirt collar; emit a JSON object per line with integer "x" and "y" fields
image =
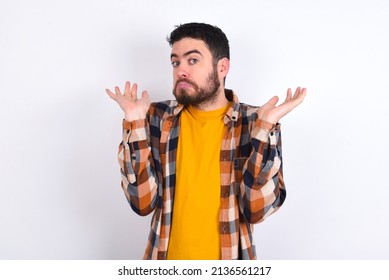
{"x": 233, "y": 112}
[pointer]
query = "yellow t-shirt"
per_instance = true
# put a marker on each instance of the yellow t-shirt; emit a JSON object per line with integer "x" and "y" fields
{"x": 195, "y": 226}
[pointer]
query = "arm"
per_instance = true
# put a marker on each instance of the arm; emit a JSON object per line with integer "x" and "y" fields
{"x": 262, "y": 188}
{"x": 139, "y": 181}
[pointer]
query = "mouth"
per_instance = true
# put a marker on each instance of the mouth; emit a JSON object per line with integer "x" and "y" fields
{"x": 183, "y": 85}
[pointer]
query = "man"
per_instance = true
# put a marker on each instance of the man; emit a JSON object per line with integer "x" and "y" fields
{"x": 208, "y": 166}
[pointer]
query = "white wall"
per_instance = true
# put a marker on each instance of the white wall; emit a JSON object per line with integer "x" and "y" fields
{"x": 60, "y": 195}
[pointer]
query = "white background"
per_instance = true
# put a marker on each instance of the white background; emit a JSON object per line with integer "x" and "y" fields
{"x": 60, "y": 195}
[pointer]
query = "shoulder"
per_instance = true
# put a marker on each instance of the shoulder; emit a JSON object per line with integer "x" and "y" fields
{"x": 239, "y": 108}
{"x": 248, "y": 111}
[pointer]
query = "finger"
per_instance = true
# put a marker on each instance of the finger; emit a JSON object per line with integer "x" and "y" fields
{"x": 134, "y": 89}
{"x": 117, "y": 90}
{"x": 288, "y": 95}
{"x": 127, "y": 88}
{"x": 145, "y": 94}
{"x": 300, "y": 94}
{"x": 298, "y": 97}
{"x": 111, "y": 94}
{"x": 297, "y": 93}
{"x": 270, "y": 104}
{"x": 273, "y": 101}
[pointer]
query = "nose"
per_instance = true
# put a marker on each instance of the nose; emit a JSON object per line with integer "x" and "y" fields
{"x": 182, "y": 71}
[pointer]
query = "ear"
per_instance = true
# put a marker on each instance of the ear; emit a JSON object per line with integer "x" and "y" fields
{"x": 223, "y": 66}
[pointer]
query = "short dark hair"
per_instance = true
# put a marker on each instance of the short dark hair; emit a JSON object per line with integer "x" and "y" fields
{"x": 212, "y": 36}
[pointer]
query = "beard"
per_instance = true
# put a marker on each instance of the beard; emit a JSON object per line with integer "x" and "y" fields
{"x": 200, "y": 95}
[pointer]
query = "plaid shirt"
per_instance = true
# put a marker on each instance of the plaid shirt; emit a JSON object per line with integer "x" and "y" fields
{"x": 252, "y": 185}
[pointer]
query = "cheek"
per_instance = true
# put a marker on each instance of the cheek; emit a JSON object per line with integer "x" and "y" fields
{"x": 174, "y": 72}
{"x": 175, "y": 79}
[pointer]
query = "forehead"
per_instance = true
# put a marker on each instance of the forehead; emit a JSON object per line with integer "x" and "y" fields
{"x": 185, "y": 45}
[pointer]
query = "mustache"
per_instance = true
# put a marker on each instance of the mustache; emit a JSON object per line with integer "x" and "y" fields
{"x": 186, "y": 81}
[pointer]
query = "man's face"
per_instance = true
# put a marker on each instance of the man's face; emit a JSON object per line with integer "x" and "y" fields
{"x": 195, "y": 77}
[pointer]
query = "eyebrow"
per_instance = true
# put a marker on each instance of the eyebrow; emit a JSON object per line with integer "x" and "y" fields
{"x": 186, "y": 54}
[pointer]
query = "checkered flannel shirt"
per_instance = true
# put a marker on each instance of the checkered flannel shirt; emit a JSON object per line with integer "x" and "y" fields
{"x": 252, "y": 185}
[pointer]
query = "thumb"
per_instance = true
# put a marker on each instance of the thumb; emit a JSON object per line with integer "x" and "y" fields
{"x": 146, "y": 97}
{"x": 145, "y": 94}
{"x": 273, "y": 101}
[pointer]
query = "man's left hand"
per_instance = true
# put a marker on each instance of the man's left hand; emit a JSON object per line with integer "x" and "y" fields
{"x": 271, "y": 113}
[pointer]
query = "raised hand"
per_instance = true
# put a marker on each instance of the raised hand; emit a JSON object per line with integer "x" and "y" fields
{"x": 271, "y": 113}
{"x": 133, "y": 108}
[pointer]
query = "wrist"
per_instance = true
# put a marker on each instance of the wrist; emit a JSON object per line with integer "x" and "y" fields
{"x": 134, "y": 116}
{"x": 265, "y": 124}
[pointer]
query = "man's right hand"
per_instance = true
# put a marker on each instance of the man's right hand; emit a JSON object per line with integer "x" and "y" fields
{"x": 133, "y": 108}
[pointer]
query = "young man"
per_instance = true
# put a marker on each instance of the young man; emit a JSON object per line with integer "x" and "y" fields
{"x": 208, "y": 166}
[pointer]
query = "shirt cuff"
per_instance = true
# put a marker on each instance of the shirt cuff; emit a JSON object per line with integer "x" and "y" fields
{"x": 263, "y": 129}
{"x": 135, "y": 130}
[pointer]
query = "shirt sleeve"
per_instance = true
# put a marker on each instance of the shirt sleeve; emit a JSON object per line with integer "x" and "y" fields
{"x": 139, "y": 180}
{"x": 262, "y": 189}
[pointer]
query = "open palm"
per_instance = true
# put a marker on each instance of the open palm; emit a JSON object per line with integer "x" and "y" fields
{"x": 271, "y": 113}
{"x": 134, "y": 108}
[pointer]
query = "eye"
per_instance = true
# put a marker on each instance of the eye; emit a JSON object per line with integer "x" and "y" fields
{"x": 175, "y": 63}
{"x": 193, "y": 61}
